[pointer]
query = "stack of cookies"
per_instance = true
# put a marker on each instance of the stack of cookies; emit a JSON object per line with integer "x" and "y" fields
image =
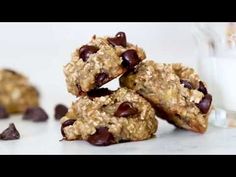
{"x": 148, "y": 89}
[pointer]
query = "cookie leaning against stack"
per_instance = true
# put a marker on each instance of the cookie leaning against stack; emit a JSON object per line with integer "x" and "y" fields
{"x": 175, "y": 91}
{"x": 100, "y": 116}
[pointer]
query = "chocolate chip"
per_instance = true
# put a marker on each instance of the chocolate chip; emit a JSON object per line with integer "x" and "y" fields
{"x": 202, "y": 88}
{"x": 99, "y": 92}
{"x": 120, "y": 39}
{"x": 125, "y": 109}
{"x": 102, "y": 137}
{"x": 87, "y": 50}
{"x": 10, "y": 133}
{"x": 101, "y": 79}
{"x": 205, "y": 103}
{"x": 186, "y": 84}
{"x": 124, "y": 141}
{"x": 35, "y": 114}
{"x": 60, "y": 111}
{"x": 130, "y": 59}
{"x": 65, "y": 124}
{"x": 3, "y": 113}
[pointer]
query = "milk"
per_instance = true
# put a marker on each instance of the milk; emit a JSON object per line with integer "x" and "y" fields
{"x": 225, "y": 82}
{"x": 219, "y": 73}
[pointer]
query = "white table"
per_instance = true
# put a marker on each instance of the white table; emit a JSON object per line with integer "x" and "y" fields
{"x": 43, "y": 138}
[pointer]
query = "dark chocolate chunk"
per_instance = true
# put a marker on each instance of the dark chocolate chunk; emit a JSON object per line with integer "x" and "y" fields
{"x": 65, "y": 124}
{"x": 87, "y": 50}
{"x": 102, "y": 137}
{"x": 60, "y": 111}
{"x": 101, "y": 79}
{"x": 130, "y": 59}
{"x": 99, "y": 92}
{"x": 125, "y": 109}
{"x": 186, "y": 84}
{"x": 202, "y": 88}
{"x": 10, "y": 133}
{"x": 119, "y": 39}
{"x": 205, "y": 104}
{"x": 35, "y": 114}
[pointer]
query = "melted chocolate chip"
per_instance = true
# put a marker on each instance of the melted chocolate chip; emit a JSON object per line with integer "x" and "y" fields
{"x": 202, "y": 88}
{"x": 10, "y": 133}
{"x": 65, "y": 124}
{"x": 205, "y": 104}
{"x": 102, "y": 137}
{"x": 87, "y": 50}
{"x": 3, "y": 113}
{"x": 186, "y": 84}
{"x": 60, "y": 111}
{"x": 101, "y": 79}
{"x": 35, "y": 114}
{"x": 125, "y": 109}
{"x": 120, "y": 39}
{"x": 99, "y": 92}
{"x": 130, "y": 59}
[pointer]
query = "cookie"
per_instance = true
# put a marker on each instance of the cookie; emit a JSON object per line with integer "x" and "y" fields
{"x": 175, "y": 91}
{"x": 16, "y": 93}
{"x": 98, "y": 62}
{"x": 105, "y": 117}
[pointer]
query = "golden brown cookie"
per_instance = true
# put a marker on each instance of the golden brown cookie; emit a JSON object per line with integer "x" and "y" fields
{"x": 175, "y": 91}
{"x": 99, "y": 61}
{"x": 106, "y": 117}
{"x": 16, "y": 93}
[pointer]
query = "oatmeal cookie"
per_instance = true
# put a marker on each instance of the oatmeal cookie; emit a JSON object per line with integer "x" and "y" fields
{"x": 175, "y": 91}
{"x": 99, "y": 61}
{"x": 16, "y": 93}
{"x": 105, "y": 117}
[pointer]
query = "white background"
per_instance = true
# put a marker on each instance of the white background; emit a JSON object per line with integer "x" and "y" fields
{"x": 39, "y": 50}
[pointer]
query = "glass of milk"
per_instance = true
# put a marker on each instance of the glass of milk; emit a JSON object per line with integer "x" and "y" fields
{"x": 217, "y": 66}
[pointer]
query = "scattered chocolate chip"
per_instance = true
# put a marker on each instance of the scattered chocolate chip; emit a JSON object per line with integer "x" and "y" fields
{"x": 10, "y": 133}
{"x": 3, "y": 113}
{"x": 101, "y": 79}
{"x": 60, "y": 111}
{"x": 102, "y": 137}
{"x": 99, "y": 92}
{"x": 65, "y": 124}
{"x": 35, "y": 114}
{"x": 202, "y": 88}
{"x": 130, "y": 59}
{"x": 87, "y": 50}
{"x": 120, "y": 39}
{"x": 205, "y": 103}
{"x": 125, "y": 109}
{"x": 186, "y": 84}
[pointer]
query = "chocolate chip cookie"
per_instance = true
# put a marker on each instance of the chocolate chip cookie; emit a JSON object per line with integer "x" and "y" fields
{"x": 105, "y": 117}
{"x": 16, "y": 93}
{"x": 101, "y": 60}
{"x": 175, "y": 91}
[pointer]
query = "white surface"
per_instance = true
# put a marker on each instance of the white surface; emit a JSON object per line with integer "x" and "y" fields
{"x": 43, "y": 138}
{"x": 40, "y": 50}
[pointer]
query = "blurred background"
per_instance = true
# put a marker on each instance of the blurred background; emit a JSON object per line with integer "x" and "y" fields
{"x": 40, "y": 50}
